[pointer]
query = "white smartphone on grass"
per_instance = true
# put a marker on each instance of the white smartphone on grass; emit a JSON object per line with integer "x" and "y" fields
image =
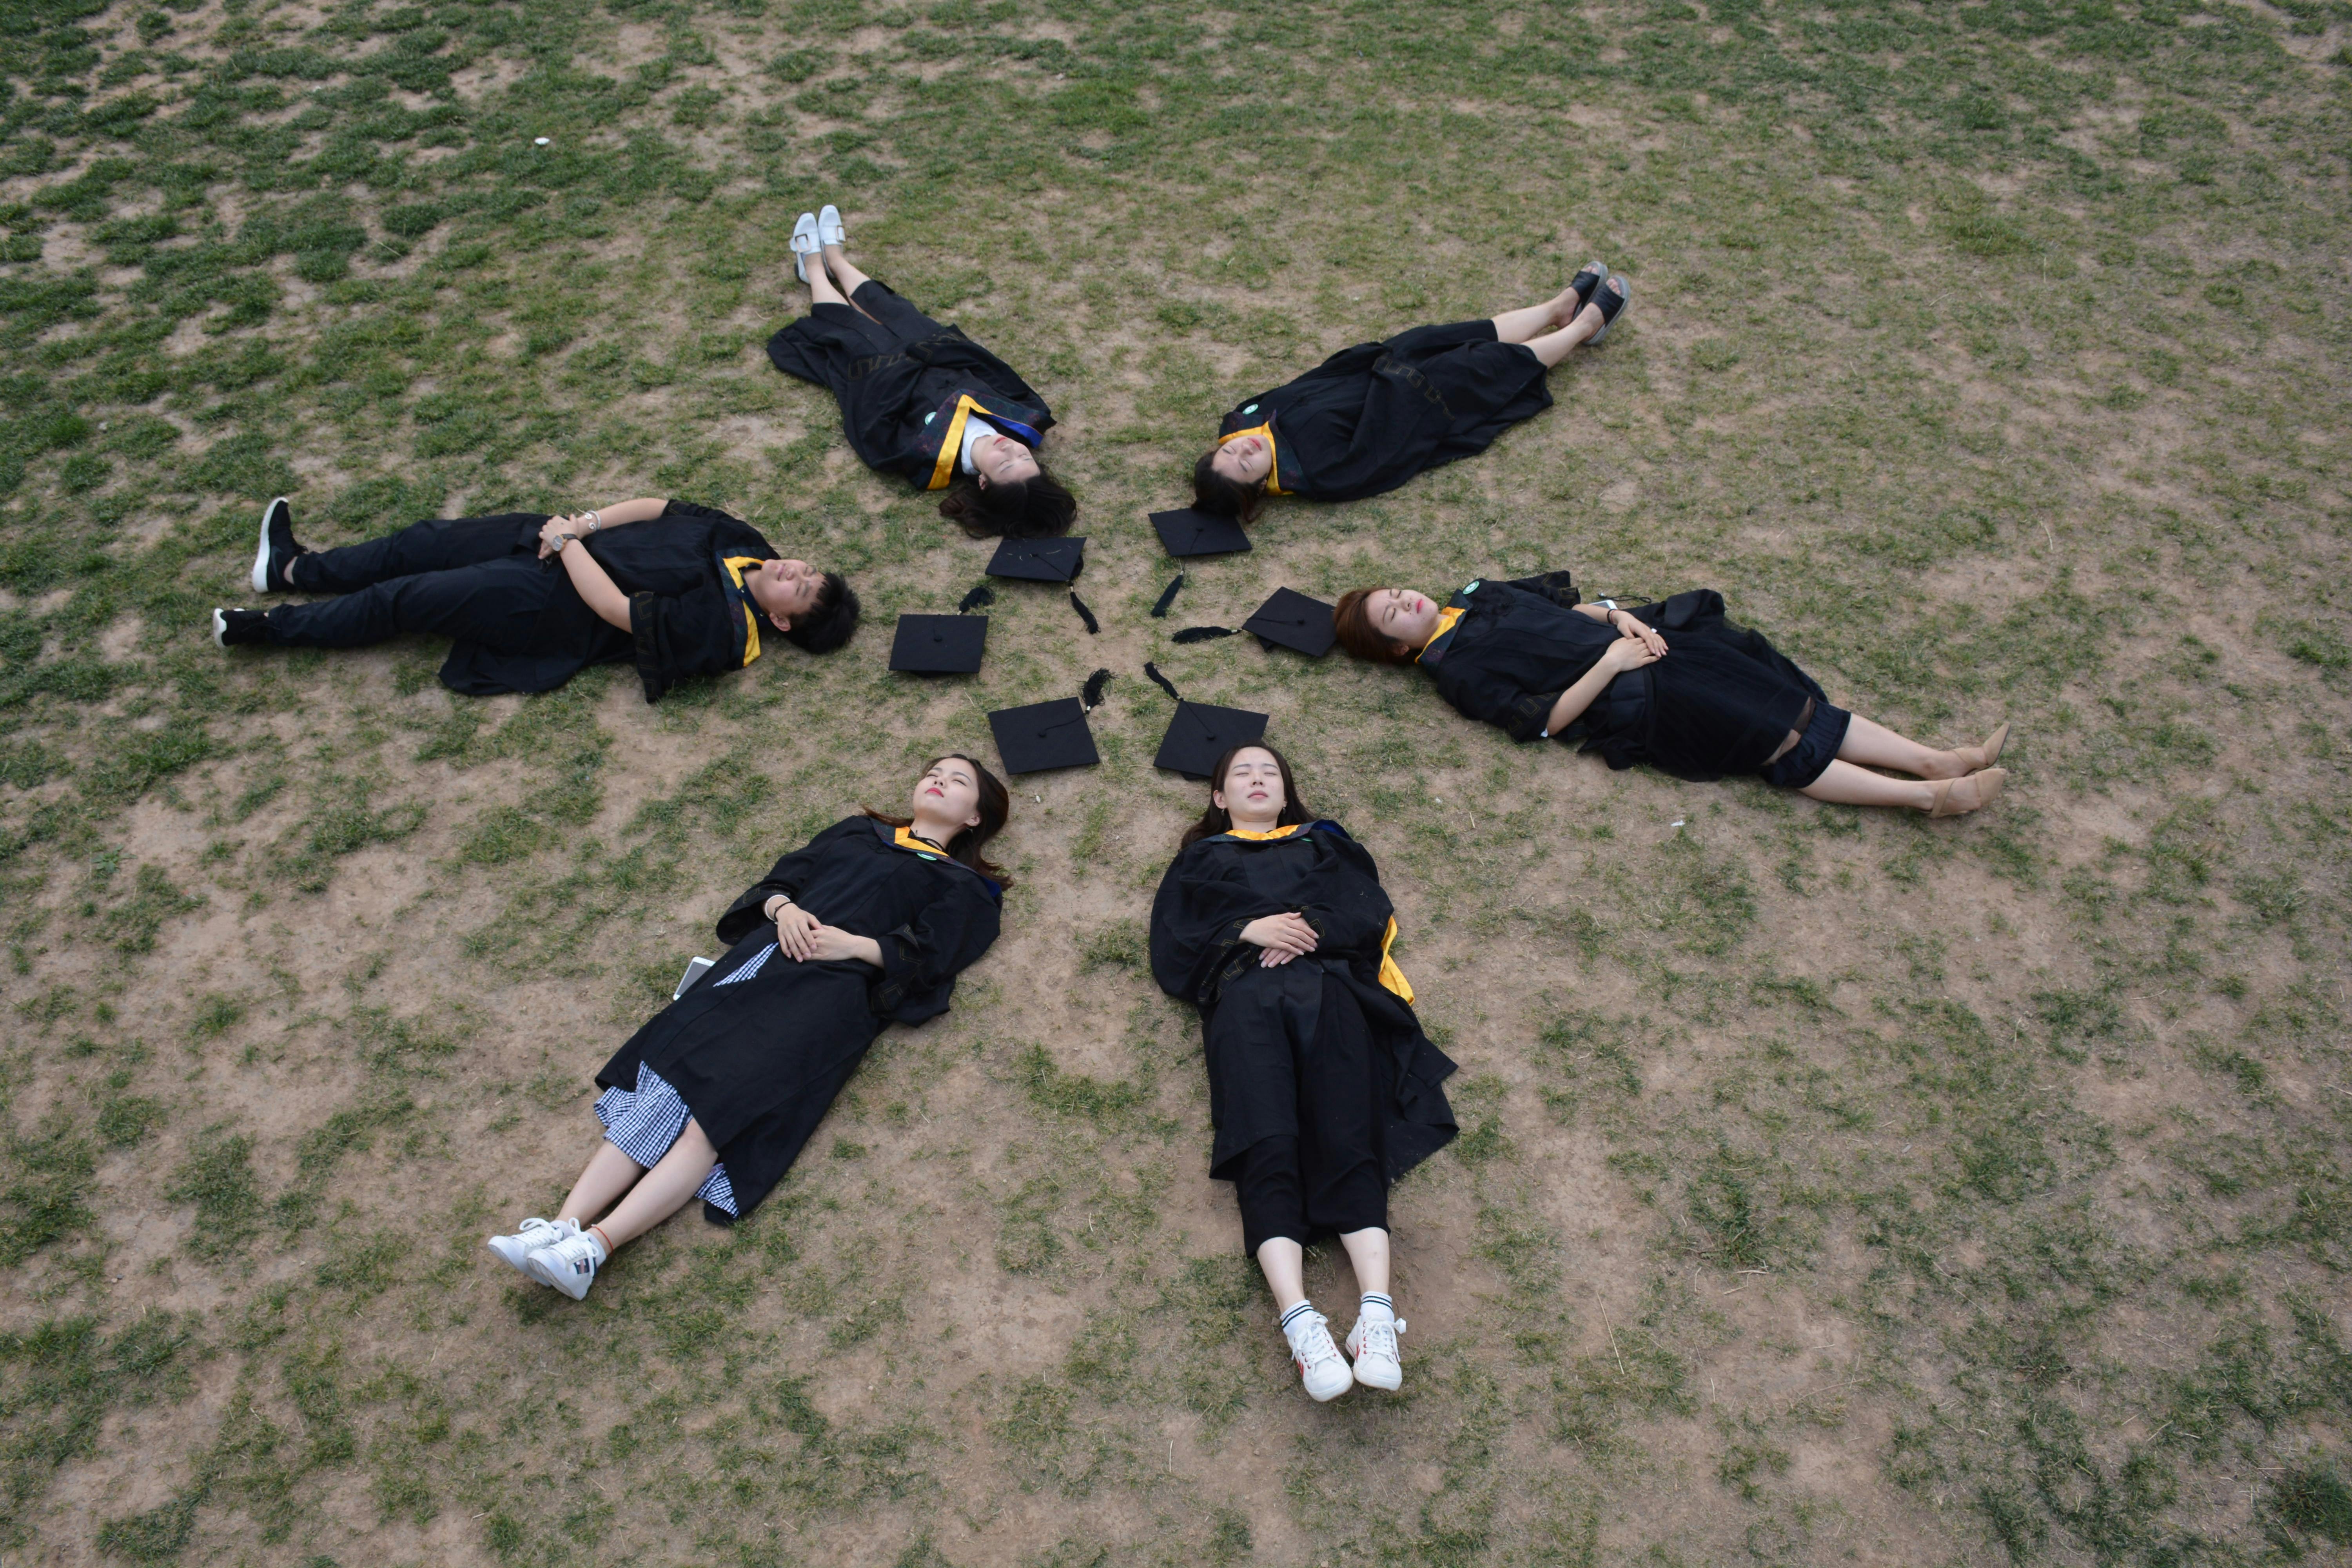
{"x": 695, "y": 969}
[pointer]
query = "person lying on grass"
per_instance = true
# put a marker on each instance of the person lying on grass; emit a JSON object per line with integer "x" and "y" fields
{"x": 1371, "y": 417}
{"x": 1674, "y": 684}
{"x": 1323, "y": 1089}
{"x": 530, "y": 600}
{"x": 868, "y": 923}
{"x": 919, "y": 399}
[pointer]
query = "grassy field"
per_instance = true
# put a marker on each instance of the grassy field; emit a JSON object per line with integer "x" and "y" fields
{"x": 1834, "y": 1186}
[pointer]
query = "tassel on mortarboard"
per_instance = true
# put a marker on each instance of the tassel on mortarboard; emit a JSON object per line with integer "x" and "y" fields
{"x": 1167, "y": 597}
{"x": 1206, "y": 634}
{"x": 1161, "y": 680}
{"x": 1085, "y": 614}
{"x": 1093, "y": 697}
{"x": 982, "y": 594}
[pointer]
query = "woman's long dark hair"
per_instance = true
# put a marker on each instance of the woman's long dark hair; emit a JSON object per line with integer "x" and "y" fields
{"x": 1221, "y": 497}
{"x": 1041, "y": 508}
{"x": 1216, "y": 819}
{"x": 995, "y": 807}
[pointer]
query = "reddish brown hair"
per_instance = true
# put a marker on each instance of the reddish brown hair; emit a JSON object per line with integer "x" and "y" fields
{"x": 1352, "y": 619}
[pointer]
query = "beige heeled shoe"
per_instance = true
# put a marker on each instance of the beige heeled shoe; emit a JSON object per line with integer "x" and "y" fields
{"x": 1976, "y": 758}
{"x": 1957, "y": 798}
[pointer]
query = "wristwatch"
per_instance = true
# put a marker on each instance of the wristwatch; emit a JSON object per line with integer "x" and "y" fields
{"x": 563, "y": 539}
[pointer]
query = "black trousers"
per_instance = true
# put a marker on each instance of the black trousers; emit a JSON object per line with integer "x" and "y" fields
{"x": 1331, "y": 1178}
{"x": 472, "y": 579}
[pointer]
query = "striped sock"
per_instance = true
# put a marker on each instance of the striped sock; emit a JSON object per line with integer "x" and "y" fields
{"x": 1296, "y": 1315}
{"x": 1374, "y": 1302}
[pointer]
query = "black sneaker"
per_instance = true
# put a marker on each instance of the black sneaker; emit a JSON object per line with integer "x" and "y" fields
{"x": 239, "y": 629}
{"x": 277, "y": 549}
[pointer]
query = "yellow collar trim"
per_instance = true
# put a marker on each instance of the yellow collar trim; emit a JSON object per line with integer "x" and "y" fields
{"x": 1273, "y": 452}
{"x": 1446, "y": 619}
{"x": 906, "y": 839}
{"x": 735, "y": 565}
{"x": 943, "y": 471}
{"x": 1254, "y": 835}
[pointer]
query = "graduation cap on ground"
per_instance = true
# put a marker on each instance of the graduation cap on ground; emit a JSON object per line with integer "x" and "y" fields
{"x": 1045, "y": 735}
{"x": 1189, "y": 532}
{"x": 1288, "y": 619}
{"x": 1039, "y": 560}
{"x": 939, "y": 645}
{"x": 1045, "y": 561}
{"x": 1199, "y": 734}
{"x": 1295, "y": 621}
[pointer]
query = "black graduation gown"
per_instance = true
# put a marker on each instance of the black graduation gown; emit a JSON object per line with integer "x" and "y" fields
{"x": 1721, "y": 702}
{"x": 760, "y": 1062}
{"x": 1371, "y": 417}
{"x": 688, "y": 611}
{"x": 1252, "y": 1017}
{"x": 906, "y": 385}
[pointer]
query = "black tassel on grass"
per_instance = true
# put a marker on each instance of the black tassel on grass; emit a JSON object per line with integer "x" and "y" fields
{"x": 1085, "y": 614}
{"x": 982, "y": 594}
{"x": 1167, "y": 597}
{"x": 1161, "y": 680}
{"x": 1206, "y": 634}
{"x": 1094, "y": 692}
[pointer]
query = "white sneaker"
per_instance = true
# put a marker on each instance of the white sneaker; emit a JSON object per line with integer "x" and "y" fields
{"x": 828, "y": 226}
{"x": 529, "y": 1237}
{"x": 1319, "y": 1364}
{"x": 805, "y": 242}
{"x": 570, "y": 1264}
{"x": 1372, "y": 1346}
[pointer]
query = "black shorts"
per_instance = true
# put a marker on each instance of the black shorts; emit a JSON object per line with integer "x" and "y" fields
{"x": 1815, "y": 750}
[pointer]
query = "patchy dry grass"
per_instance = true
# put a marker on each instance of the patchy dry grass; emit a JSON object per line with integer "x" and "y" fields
{"x": 1833, "y": 1186}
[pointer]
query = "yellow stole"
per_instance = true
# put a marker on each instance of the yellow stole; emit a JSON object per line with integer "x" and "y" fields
{"x": 1446, "y": 619}
{"x": 735, "y": 565}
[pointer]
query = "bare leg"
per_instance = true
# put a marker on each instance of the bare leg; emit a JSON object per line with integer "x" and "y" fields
{"x": 850, "y": 280}
{"x": 821, "y": 287}
{"x": 1880, "y": 747}
{"x": 1367, "y": 1250}
{"x": 1553, "y": 347}
{"x": 1284, "y": 1262}
{"x": 609, "y": 1174}
{"x": 1518, "y": 326}
{"x": 1842, "y": 784}
{"x": 665, "y": 1187}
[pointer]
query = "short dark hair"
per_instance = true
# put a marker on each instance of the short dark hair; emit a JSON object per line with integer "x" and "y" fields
{"x": 1221, "y": 497}
{"x": 827, "y": 623}
{"x": 1025, "y": 509}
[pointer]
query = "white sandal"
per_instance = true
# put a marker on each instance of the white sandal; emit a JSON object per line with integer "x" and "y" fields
{"x": 828, "y": 226}
{"x": 805, "y": 242}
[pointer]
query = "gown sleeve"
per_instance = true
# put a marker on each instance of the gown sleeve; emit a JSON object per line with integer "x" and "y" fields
{"x": 1350, "y": 911}
{"x": 788, "y": 876}
{"x": 674, "y": 635}
{"x": 1196, "y": 924}
{"x": 921, "y": 958}
{"x": 1559, "y": 587}
{"x": 1491, "y": 697}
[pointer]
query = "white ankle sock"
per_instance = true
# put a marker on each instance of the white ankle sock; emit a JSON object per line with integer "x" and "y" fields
{"x": 1294, "y": 1321}
{"x": 1376, "y": 1306}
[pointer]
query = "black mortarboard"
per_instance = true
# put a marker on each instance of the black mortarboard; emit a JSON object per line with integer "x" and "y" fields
{"x": 1295, "y": 621}
{"x": 1043, "y": 735}
{"x": 939, "y": 645}
{"x": 1039, "y": 560}
{"x": 1200, "y": 734}
{"x": 1189, "y": 532}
